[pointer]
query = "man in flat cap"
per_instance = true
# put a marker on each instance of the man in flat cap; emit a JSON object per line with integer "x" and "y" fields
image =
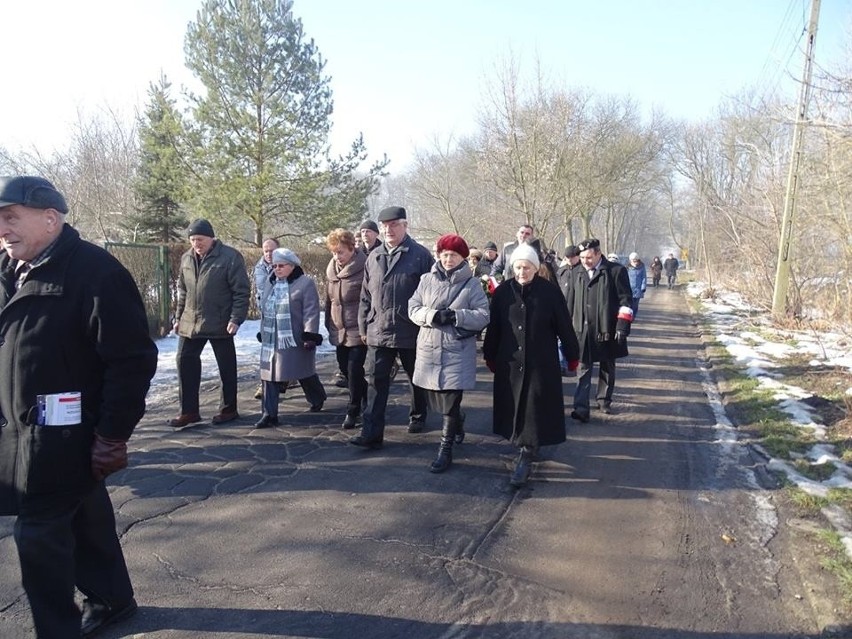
{"x": 213, "y": 300}
{"x": 76, "y": 361}
{"x": 391, "y": 276}
{"x": 489, "y": 256}
{"x": 601, "y": 305}
{"x": 369, "y": 233}
{"x": 570, "y": 261}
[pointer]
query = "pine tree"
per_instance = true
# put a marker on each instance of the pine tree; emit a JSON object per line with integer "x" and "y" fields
{"x": 260, "y": 129}
{"x": 161, "y": 182}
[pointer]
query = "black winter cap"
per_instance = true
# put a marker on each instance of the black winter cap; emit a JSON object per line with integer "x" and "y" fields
{"x": 29, "y": 190}
{"x": 201, "y": 227}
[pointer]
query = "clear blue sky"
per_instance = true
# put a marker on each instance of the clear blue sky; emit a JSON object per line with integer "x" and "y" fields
{"x": 404, "y": 71}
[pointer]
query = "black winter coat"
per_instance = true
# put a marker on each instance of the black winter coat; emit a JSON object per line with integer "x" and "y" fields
{"x": 76, "y": 324}
{"x": 521, "y": 342}
{"x": 594, "y": 305}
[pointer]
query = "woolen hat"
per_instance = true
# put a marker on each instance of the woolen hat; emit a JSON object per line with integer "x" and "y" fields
{"x": 453, "y": 242}
{"x": 526, "y": 252}
{"x": 571, "y": 251}
{"x": 392, "y": 213}
{"x": 29, "y": 190}
{"x": 633, "y": 256}
{"x": 200, "y": 227}
{"x": 490, "y": 245}
{"x": 280, "y": 255}
{"x": 369, "y": 224}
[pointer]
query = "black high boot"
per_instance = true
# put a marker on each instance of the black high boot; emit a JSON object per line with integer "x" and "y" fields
{"x": 523, "y": 466}
{"x": 459, "y": 436}
{"x": 445, "y": 450}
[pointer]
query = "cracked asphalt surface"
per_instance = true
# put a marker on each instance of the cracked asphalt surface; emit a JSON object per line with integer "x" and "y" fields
{"x": 648, "y": 523}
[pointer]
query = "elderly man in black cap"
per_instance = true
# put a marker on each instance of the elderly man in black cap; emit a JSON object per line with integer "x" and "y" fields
{"x": 213, "y": 300}
{"x": 369, "y": 232}
{"x": 489, "y": 255}
{"x": 569, "y": 262}
{"x": 76, "y": 361}
{"x": 601, "y": 305}
{"x": 391, "y": 276}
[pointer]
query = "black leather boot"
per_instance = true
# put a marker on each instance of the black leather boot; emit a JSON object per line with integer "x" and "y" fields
{"x": 445, "y": 450}
{"x": 523, "y": 466}
{"x": 459, "y": 436}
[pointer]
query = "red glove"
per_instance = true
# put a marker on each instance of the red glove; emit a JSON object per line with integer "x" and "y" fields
{"x": 490, "y": 365}
{"x": 573, "y": 365}
{"x": 108, "y": 456}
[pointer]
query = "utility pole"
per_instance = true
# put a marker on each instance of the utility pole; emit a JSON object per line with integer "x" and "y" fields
{"x": 782, "y": 273}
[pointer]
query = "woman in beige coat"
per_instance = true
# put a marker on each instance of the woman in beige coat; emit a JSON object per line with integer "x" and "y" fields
{"x": 344, "y": 276}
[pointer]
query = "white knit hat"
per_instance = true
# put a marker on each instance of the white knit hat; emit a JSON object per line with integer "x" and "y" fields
{"x": 526, "y": 252}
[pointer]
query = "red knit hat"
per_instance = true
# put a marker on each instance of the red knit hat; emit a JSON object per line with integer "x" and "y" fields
{"x": 452, "y": 242}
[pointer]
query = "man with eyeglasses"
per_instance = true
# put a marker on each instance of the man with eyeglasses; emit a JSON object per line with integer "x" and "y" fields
{"x": 391, "y": 276}
{"x": 502, "y": 267}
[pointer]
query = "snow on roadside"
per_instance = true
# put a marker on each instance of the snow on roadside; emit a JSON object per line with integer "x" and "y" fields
{"x": 759, "y": 357}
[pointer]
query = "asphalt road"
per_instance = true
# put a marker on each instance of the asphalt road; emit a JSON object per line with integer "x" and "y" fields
{"x": 647, "y": 523}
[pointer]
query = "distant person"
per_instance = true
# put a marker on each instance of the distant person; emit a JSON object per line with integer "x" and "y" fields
{"x": 638, "y": 280}
{"x": 75, "y": 336}
{"x": 391, "y": 276}
{"x": 529, "y": 320}
{"x": 448, "y": 299}
{"x": 289, "y": 336}
{"x": 601, "y": 307}
{"x": 502, "y": 267}
{"x": 213, "y": 300}
{"x": 477, "y": 268}
{"x": 489, "y": 256}
{"x": 670, "y": 266}
{"x": 263, "y": 281}
{"x": 369, "y": 232}
{"x": 344, "y": 276}
{"x": 656, "y": 271}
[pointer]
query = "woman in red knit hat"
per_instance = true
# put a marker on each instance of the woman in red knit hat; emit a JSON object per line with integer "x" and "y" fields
{"x": 450, "y": 308}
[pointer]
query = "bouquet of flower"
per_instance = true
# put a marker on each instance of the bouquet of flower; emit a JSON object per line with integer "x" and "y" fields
{"x": 488, "y": 283}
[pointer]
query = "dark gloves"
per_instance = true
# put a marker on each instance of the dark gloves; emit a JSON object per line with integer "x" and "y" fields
{"x": 259, "y": 337}
{"x": 108, "y": 456}
{"x": 622, "y": 330}
{"x": 315, "y": 339}
{"x": 491, "y": 366}
{"x": 445, "y": 317}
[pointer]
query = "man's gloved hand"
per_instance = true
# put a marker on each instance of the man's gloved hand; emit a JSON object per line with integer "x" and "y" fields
{"x": 108, "y": 456}
{"x": 444, "y": 317}
{"x": 491, "y": 366}
{"x": 573, "y": 365}
{"x": 622, "y": 330}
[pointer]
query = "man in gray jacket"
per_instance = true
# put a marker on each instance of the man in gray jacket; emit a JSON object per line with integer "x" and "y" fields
{"x": 213, "y": 300}
{"x": 391, "y": 276}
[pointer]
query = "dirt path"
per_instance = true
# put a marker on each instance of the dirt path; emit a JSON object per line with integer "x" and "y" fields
{"x": 648, "y": 523}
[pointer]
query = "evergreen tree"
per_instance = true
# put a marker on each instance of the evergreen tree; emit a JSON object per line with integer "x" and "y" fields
{"x": 260, "y": 129}
{"x": 161, "y": 182}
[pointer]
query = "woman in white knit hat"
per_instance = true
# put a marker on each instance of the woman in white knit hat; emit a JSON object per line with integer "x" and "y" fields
{"x": 529, "y": 323}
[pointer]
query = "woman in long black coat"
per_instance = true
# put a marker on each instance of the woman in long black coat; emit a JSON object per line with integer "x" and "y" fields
{"x": 529, "y": 322}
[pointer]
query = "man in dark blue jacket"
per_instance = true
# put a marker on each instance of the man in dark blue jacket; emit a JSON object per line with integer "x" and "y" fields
{"x": 75, "y": 364}
{"x": 391, "y": 276}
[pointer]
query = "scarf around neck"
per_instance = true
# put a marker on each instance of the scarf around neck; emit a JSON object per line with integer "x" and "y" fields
{"x": 276, "y": 325}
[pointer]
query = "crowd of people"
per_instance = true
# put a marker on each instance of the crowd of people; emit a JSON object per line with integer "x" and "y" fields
{"x": 388, "y": 299}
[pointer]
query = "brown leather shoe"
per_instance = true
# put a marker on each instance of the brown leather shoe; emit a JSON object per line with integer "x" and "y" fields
{"x": 185, "y": 420}
{"x": 225, "y": 417}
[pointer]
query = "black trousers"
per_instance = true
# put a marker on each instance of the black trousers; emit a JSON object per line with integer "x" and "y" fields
{"x": 311, "y": 385}
{"x": 379, "y": 362}
{"x": 189, "y": 372}
{"x": 606, "y": 384}
{"x": 351, "y": 360}
{"x": 70, "y": 544}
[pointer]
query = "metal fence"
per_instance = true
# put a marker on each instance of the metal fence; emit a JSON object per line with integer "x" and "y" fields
{"x": 149, "y": 266}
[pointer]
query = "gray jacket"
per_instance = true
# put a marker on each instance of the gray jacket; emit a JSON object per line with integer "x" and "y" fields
{"x": 443, "y": 361}
{"x": 212, "y": 292}
{"x": 389, "y": 282}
